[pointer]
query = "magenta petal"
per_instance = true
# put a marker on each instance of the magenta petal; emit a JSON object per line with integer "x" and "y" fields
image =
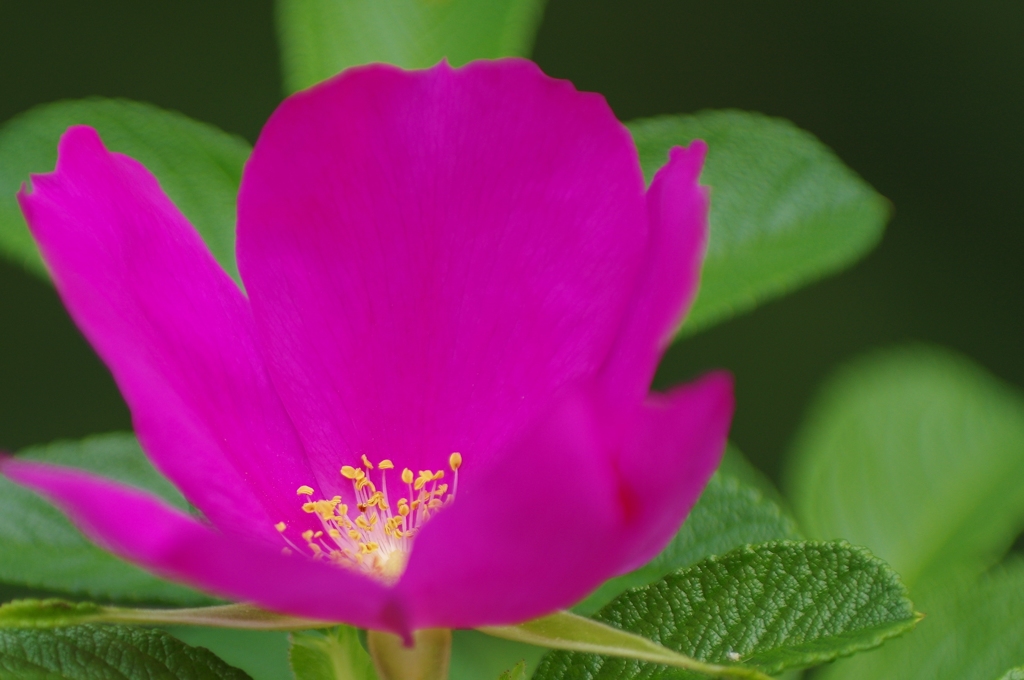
{"x": 144, "y": 530}
{"x": 569, "y": 506}
{"x": 678, "y": 210}
{"x": 674, "y": 448}
{"x": 175, "y": 331}
{"x": 431, "y": 255}
{"x": 535, "y": 533}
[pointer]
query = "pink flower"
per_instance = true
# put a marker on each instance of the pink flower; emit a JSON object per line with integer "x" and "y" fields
{"x": 450, "y": 260}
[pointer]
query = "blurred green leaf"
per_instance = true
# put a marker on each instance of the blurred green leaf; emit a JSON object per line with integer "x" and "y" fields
{"x": 54, "y": 613}
{"x": 517, "y": 672}
{"x": 92, "y": 652}
{"x": 773, "y": 606}
{"x": 917, "y": 454}
{"x": 475, "y": 655}
{"x": 1013, "y": 674}
{"x": 49, "y": 613}
{"x": 331, "y": 654}
{"x": 785, "y": 211}
{"x": 733, "y": 511}
{"x": 568, "y": 631}
{"x": 40, "y": 548}
{"x": 199, "y": 166}
{"x": 261, "y": 654}
{"x": 320, "y": 38}
{"x": 973, "y": 630}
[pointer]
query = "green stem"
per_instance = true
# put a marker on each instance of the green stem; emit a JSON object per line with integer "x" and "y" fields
{"x": 426, "y": 659}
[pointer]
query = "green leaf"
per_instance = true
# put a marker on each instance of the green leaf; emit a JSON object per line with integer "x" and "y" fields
{"x": 320, "y": 38}
{"x": 734, "y": 510}
{"x": 40, "y": 548}
{"x": 517, "y": 672}
{"x": 917, "y": 454}
{"x": 199, "y": 166}
{"x": 973, "y": 630}
{"x": 332, "y": 654}
{"x": 773, "y": 606}
{"x": 91, "y": 652}
{"x": 475, "y": 655}
{"x": 568, "y": 631}
{"x": 1013, "y": 674}
{"x": 262, "y": 654}
{"x": 54, "y": 613}
{"x": 785, "y": 211}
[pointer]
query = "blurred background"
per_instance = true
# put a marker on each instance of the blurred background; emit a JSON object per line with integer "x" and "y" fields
{"x": 923, "y": 98}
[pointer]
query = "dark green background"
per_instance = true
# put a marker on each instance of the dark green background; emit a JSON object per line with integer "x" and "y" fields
{"x": 923, "y": 97}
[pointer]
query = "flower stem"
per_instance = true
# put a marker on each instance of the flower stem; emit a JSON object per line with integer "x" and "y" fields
{"x": 426, "y": 659}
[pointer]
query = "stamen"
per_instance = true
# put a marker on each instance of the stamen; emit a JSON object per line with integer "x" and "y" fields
{"x": 376, "y": 541}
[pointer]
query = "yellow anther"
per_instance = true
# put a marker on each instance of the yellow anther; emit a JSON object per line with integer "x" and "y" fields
{"x": 356, "y": 541}
{"x": 421, "y": 481}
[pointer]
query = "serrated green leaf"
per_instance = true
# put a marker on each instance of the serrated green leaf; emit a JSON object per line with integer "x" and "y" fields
{"x": 517, "y": 672}
{"x": 331, "y": 654}
{"x": 199, "y": 166}
{"x": 785, "y": 211}
{"x": 40, "y": 548}
{"x": 973, "y": 630}
{"x": 320, "y": 38}
{"x": 917, "y": 454}
{"x": 733, "y": 511}
{"x": 773, "y": 606}
{"x": 102, "y": 652}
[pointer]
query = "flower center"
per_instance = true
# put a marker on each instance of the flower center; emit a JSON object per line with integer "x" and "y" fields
{"x": 374, "y": 537}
